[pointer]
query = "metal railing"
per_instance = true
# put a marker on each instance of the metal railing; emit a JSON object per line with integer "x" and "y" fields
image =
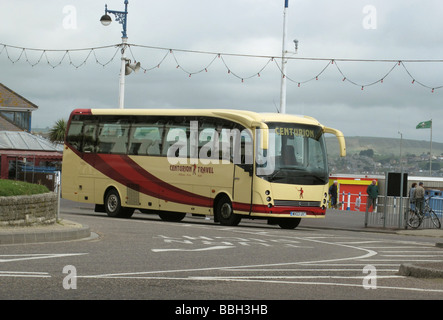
{"x": 389, "y": 213}
{"x": 28, "y": 172}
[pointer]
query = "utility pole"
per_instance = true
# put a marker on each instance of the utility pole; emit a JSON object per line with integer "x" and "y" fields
{"x": 284, "y": 61}
{"x": 121, "y": 17}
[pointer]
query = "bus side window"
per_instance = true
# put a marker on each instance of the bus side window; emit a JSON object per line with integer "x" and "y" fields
{"x": 246, "y": 147}
{"x": 235, "y": 143}
{"x": 168, "y": 143}
{"x": 89, "y": 137}
{"x": 75, "y": 136}
{"x": 154, "y": 147}
{"x": 208, "y": 143}
{"x": 113, "y": 138}
{"x": 145, "y": 139}
{"x": 154, "y": 141}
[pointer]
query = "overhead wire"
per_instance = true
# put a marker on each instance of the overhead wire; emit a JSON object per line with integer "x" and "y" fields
{"x": 91, "y": 51}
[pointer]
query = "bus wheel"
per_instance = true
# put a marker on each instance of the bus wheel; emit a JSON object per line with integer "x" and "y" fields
{"x": 225, "y": 213}
{"x": 172, "y": 216}
{"x": 289, "y": 223}
{"x": 113, "y": 206}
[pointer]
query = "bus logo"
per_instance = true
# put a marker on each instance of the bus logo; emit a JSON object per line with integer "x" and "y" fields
{"x": 191, "y": 169}
{"x": 301, "y": 192}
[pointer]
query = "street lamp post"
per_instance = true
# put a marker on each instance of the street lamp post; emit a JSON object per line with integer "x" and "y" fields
{"x": 120, "y": 17}
{"x": 284, "y": 61}
{"x": 401, "y": 180}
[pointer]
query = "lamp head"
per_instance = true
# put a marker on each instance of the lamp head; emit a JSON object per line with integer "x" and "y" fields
{"x": 129, "y": 67}
{"x": 106, "y": 20}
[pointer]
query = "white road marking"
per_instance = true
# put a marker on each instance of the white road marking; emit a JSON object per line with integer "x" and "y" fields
{"x": 274, "y": 281}
{"x": 411, "y": 255}
{"x": 366, "y": 257}
{"x": 35, "y": 256}
{"x": 193, "y": 250}
{"x": 24, "y": 274}
{"x": 311, "y": 270}
{"x": 328, "y": 264}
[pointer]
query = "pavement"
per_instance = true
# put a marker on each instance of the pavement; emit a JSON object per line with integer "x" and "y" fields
{"x": 66, "y": 230}
{"x": 63, "y": 230}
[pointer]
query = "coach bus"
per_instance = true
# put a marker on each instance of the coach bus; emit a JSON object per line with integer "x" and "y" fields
{"x": 229, "y": 164}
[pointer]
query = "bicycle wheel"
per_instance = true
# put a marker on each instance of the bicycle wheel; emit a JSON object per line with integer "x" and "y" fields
{"x": 434, "y": 219}
{"x": 414, "y": 219}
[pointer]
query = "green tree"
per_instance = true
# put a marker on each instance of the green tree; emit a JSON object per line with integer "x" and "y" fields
{"x": 368, "y": 153}
{"x": 435, "y": 166}
{"x": 57, "y": 132}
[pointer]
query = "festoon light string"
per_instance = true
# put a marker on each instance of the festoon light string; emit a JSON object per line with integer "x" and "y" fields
{"x": 269, "y": 60}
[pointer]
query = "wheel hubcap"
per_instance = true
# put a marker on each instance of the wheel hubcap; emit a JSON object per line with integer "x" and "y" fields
{"x": 226, "y": 210}
{"x": 112, "y": 203}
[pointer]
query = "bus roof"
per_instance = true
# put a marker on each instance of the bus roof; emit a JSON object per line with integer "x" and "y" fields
{"x": 247, "y": 118}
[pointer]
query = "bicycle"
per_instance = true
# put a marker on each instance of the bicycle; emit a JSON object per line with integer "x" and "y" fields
{"x": 415, "y": 217}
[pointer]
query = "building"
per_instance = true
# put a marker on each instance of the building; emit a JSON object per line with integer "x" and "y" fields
{"x": 15, "y": 111}
{"x": 24, "y": 156}
{"x": 30, "y": 158}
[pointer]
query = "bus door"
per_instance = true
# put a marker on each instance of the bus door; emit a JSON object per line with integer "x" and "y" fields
{"x": 78, "y": 184}
{"x": 86, "y": 170}
{"x": 243, "y": 173}
{"x": 242, "y": 186}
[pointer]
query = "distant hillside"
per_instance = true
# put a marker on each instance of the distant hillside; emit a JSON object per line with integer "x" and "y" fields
{"x": 383, "y": 146}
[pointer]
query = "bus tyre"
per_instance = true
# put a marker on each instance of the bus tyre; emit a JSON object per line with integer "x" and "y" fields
{"x": 113, "y": 206}
{"x": 172, "y": 216}
{"x": 225, "y": 213}
{"x": 289, "y": 223}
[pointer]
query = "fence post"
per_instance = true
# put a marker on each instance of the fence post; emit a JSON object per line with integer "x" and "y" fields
{"x": 400, "y": 210}
{"x": 358, "y": 202}
{"x": 385, "y": 207}
{"x": 348, "y": 207}
{"x": 57, "y": 178}
{"x": 366, "y": 214}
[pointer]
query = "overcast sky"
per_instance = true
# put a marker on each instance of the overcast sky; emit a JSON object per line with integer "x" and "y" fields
{"x": 338, "y": 29}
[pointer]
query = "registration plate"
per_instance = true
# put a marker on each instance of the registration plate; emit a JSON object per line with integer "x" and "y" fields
{"x": 298, "y": 213}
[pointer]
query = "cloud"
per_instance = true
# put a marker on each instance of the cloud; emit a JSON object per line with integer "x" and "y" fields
{"x": 325, "y": 29}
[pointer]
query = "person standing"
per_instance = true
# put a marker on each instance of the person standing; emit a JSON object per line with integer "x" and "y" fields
{"x": 419, "y": 196}
{"x": 333, "y": 194}
{"x": 372, "y": 191}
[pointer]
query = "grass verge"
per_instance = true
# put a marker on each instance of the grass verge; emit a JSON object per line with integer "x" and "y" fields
{"x": 18, "y": 188}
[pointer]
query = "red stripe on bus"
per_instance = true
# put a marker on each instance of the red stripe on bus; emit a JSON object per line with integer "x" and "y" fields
{"x": 169, "y": 190}
{"x": 126, "y": 171}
